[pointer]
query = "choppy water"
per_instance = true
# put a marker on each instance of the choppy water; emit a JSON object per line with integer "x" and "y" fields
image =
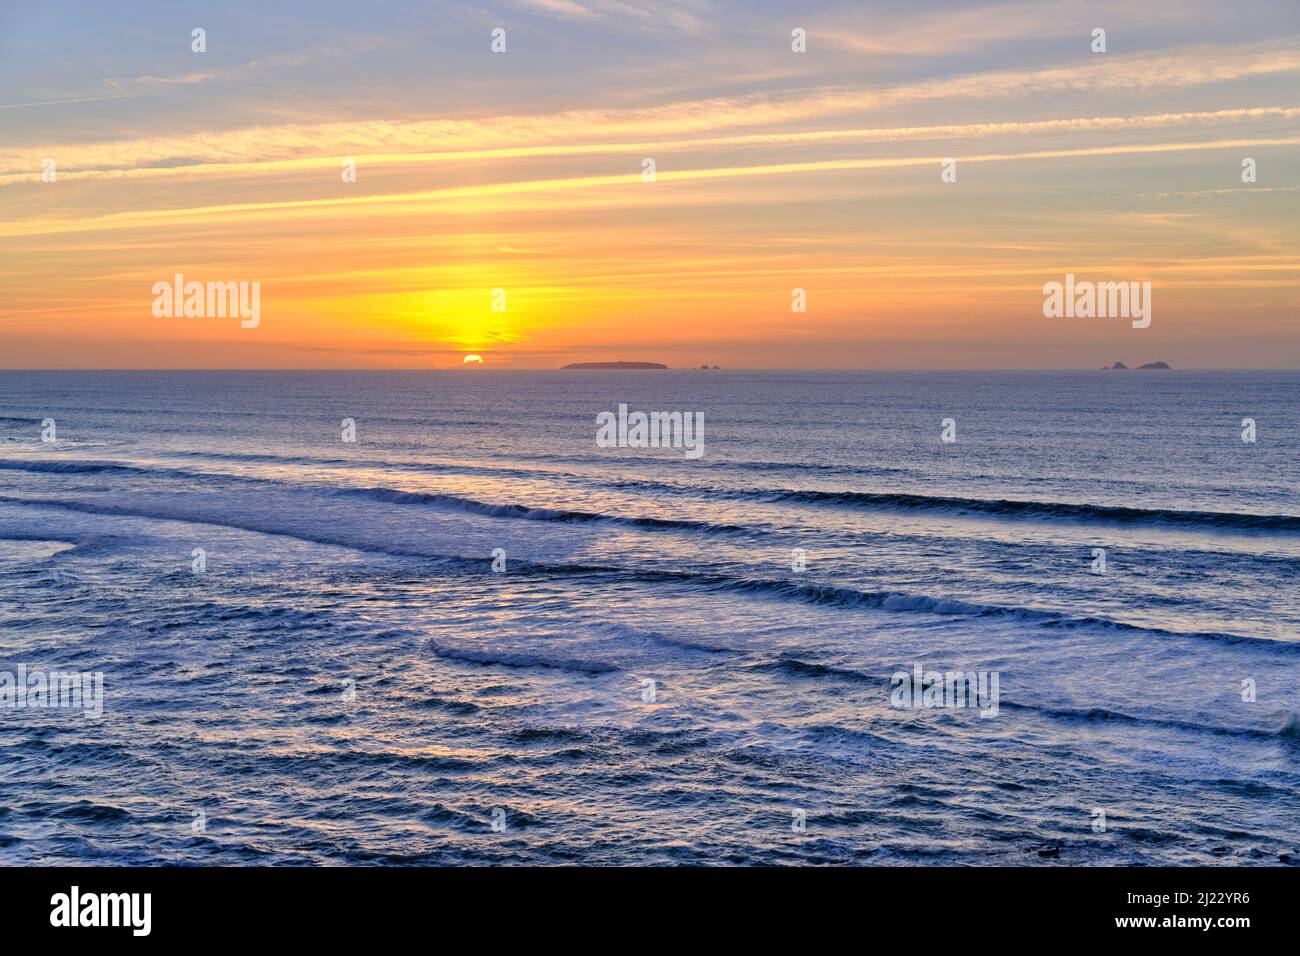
{"x": 333, "y": 565}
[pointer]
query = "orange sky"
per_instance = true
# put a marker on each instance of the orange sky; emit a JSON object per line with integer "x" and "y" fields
{"x": 775, "y": 170}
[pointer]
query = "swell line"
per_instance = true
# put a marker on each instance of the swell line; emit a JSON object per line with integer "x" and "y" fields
{"x": 392, "y": 496}
{"x": 793, "y": 591}
{"x": 473, "y": 506}
{"x": 1287, "y": 730}
{"x": 1003, "y": 507}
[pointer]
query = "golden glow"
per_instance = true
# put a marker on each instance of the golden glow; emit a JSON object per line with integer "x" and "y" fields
{"x": 524, "y": 228}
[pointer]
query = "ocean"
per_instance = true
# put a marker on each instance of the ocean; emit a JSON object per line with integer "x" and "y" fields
{"x": 473, "y": 635}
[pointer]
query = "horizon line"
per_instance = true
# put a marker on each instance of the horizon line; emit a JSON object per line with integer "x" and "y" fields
{"x": 683, "y": 368}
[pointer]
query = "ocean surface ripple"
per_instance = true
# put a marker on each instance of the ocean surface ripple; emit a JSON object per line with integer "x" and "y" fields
{"x": 681, "y": 661}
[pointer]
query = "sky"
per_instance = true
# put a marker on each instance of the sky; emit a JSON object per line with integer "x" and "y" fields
{"x": 502, "y": 205}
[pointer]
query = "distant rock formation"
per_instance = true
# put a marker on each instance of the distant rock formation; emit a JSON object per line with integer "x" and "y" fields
{"x": 1120, "y": 365}
{"x": 615, "y": 365}
{"x": 1154, "y": 365}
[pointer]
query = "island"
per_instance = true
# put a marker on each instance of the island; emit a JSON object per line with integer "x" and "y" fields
{"x": 614, "y": 365}
{"x": 1125, "y": 367}
{"x": 1154, "y": 365}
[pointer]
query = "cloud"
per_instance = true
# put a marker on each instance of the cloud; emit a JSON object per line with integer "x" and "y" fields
{"x": 418, "y": 134}
{"x": 185, "y": 79}
{"x": 1138, "y": 74}
{"x": 124, "y": 87}
{"x": 617, "y": 13}
{"x": 911, "y": 32}
{"x": 454, "y": 198}
{"x": 75, "y": 99}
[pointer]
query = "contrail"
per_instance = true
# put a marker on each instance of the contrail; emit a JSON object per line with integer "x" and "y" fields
{"x": 84, "y": 99}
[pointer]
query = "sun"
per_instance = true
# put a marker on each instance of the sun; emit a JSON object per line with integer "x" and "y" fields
{"x": 472, "y": 360}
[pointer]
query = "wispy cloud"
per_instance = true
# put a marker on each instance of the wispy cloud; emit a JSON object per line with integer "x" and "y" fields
{"x": 689, "y": 17}
{"x": 909, "y": 31}
{"x": 73, "y": 99}
{"x": 1170, "y": 71}
{"x": 427, "y": 201}
{"x": 419, "y": 134}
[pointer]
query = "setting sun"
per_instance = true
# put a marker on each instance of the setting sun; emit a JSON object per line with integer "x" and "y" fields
{"x": 472, "y": 360}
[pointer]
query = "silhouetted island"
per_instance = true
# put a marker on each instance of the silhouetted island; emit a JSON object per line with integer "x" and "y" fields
{"x": 615, "y": 365}
{"x": 1126, "y": 368}
{"x": 1154, "y": 365}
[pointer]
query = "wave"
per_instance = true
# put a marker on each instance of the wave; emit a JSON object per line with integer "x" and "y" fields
{"x": 797, "y": 591}
{"x": 905, "y": 602}
{"x": 628, "y": 634}
{"x": 995, "y": 507}
{"x": 87, "y": 466}
{"x": 1007, "y": 508}
{"x": 257, "y": 527}
{"x": 794, "y": 667}
{"x": 387, "y": 496}
{"x": 398, "y": 464}
{"x": 798, "y": 668}
{"x": 88, "y": 811}
{"x": 509, "y": 659}
{"x": 1102, "y": 715}
{"x": 460, "y": 503}
{"x": 67, "y": 467}
{"x": 868, "y": 500}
